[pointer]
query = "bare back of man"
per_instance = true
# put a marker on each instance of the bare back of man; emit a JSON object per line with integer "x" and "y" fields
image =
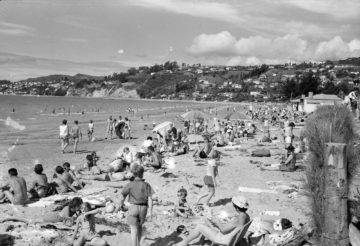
{"x": 17, "y": 194}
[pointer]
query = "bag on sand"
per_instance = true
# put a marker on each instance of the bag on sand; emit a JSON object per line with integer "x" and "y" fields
{"x": 261, "y": 153}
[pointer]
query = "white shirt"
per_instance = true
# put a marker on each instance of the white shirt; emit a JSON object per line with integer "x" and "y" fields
{"x": 64, "y": 130}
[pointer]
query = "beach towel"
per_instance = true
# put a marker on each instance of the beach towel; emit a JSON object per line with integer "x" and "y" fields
{"x": 261, "y": 153}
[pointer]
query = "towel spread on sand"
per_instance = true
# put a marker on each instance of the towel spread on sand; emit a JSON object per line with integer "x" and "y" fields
{"x": 256, "y": 190}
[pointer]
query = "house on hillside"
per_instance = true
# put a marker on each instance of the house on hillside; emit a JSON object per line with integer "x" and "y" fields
{"x": 309, "y": 104}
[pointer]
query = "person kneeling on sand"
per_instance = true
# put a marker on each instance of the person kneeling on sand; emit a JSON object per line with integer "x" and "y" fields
{"x": 219, "y": 233}
{"x": 140, "y": 199}
{"x": 88, "y": 235}
{"x": 15, "y": 189}
{"x": 287, "y": 166}
{"x": 40, "y": 186}
{"x": 61, "y": 185}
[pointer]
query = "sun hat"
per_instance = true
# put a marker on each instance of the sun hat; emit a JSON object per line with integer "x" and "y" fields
{"x": 240, "y": 201}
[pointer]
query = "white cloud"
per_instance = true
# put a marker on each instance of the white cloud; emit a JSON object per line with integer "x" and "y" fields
{"x": 220, "y": 44}
{"x": 212, "y": 10}
{"x": 121, "y": 51}
{"x": 13, "y": 29}
{"x": 339, "y": 9}
{"x": 171, "y": 49}
{"x": 255, "y": 50}
{"x": 337, "y": 48}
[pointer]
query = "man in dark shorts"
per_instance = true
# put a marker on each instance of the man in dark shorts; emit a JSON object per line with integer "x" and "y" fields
{"x": 15, "y": 189}
{"x": 140, "y": 197}
{"x": 76, "y": 134}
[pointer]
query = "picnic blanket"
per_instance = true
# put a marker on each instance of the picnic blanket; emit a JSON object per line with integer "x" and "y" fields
{"x": 92, "y": 196}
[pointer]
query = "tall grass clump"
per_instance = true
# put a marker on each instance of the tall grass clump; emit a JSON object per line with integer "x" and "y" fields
{"x": 327, "y": 124}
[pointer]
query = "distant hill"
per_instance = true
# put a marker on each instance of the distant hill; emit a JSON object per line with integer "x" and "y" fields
{"x": 61, "y": 77}
{"x": 355, "y": 61}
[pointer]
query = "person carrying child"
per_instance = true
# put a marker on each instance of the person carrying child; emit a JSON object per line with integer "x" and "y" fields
{"x": 86, "y": 221}
{"x": 140, "y": 199}
{"x": 181, "y": 206}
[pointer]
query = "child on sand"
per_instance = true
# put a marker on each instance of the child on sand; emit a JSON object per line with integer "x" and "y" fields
{"x": 210, "y": 177}
{"x": 88, "y": 235}
{"x": 140, "y": 199}
{"x": 90, "y": 130}
{"x": 181, "y": 206}
{"x": 15, "y": 189}
{"x": 40, "y": 186}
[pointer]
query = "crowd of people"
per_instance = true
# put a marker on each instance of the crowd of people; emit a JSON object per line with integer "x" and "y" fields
{"x": 130, "y": 164}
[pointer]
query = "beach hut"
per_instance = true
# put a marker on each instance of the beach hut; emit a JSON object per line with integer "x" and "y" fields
{"x": 309, "y": 104}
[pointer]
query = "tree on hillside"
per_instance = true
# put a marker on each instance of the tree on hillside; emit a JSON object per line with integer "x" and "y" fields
{"x": 290, "y": 88}
{"x": 132, "y": 71}
{"x": 309, "y": 83}
{"x": 330, "y": 88}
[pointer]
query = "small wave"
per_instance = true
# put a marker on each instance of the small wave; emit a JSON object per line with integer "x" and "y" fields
{"x": 13, "y": 146}
{"x": 14, "y": 124}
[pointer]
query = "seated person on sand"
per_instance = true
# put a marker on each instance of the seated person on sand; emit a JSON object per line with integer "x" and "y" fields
{"x": 219, "y": 233}
{"x": 14, "y": 190}
{"x": 94, "y": 173}
{"x": 88, "y": 235}
{"x": 182, "y": 208}
{"x": 270, "y": 232}
{"x": 121, "y": 162}
{"x": 182, "y": 149}
{"x": 287, "y": 166}
{"x": 61, "y": 185}
{"x": 153, "y": 159}
{"x": 70, "y": 176}
{"x": 219, "y": 139}
{"x": 229, "y": 137}
{"x": 206, "y": 148}
{"x": 40, "y": 186}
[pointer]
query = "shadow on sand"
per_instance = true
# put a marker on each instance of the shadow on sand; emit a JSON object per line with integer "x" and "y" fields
{"x": 168, "y": 240}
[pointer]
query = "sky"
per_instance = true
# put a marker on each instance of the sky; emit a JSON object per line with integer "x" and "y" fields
{"x": 100, "y": 37}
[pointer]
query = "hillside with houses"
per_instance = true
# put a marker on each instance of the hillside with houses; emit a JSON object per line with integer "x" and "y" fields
{"x": 202, "y": 83}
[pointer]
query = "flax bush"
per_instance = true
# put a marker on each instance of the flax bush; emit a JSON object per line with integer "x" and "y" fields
{"x": 327, "y": 124}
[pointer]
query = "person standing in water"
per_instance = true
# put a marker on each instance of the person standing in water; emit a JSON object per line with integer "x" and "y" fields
{"x": 76, "y": 134}
{"x": 64, "y": 135}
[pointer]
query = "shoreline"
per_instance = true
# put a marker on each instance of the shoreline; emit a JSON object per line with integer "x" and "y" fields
{"x": 135, "y": 99}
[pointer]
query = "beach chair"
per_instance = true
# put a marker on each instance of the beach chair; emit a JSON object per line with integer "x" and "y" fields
{"x": 238, "y": 239}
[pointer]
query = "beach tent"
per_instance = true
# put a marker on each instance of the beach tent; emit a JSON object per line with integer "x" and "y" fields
{"x": 162, "y": 127}
{"x": 194, "y": 115}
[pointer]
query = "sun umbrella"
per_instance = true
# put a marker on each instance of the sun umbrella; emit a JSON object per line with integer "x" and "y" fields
{"x": 194, "y": 115}
{"x": 235, "y": 116}
{"x": 165, "y": 126}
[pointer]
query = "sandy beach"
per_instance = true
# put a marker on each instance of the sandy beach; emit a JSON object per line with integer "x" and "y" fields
{"x": 39, "y": 143}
